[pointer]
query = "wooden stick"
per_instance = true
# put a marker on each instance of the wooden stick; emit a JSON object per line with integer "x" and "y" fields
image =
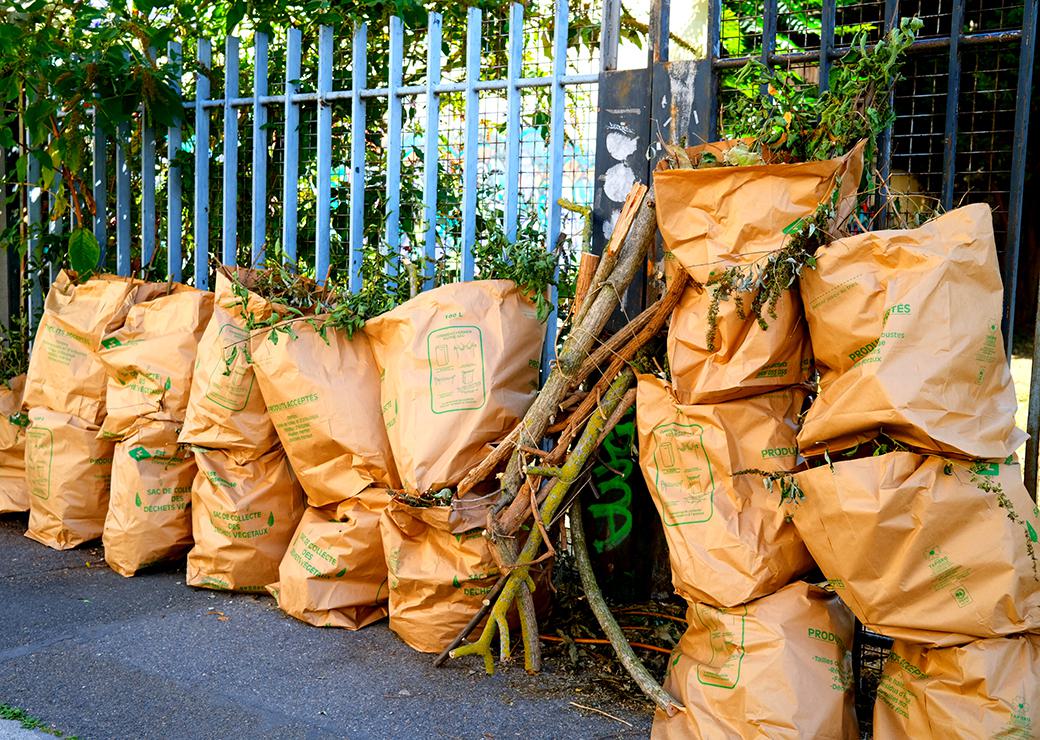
{"x": 586, "y": 271}
{"x": 610, "y": 627}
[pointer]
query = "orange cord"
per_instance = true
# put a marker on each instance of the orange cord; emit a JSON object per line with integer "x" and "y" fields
{"x": 590, "y": 641}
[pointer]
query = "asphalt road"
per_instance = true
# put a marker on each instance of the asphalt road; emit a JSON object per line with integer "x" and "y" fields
{"x": 102, "y": 656}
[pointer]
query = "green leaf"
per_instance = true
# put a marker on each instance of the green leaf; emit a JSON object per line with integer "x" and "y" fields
{"x": 84, "y": 252}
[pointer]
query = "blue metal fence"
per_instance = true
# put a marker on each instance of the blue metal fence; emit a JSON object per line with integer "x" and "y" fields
{"x": 366, "y": 84}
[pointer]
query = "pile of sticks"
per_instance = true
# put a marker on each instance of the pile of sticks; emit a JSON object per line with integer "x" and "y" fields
{"x": 587, "y": 393}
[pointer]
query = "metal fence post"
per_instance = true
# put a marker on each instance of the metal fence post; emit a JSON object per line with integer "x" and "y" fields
{"x": 200, "y": 215}
{"x": 174, "y": 215}
{"x": 291, "y": 167}
{"x": 323, "y": 226}
{"x": 229, "y": 255}
{"x": 430, "y": 155}
{"x": 359, "y": 78}
{"x": 258, "y": 212}
{"x": 469, "y": 150}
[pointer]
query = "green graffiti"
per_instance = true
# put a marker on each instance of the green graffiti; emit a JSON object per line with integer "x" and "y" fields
{"x": 614, "y": 513}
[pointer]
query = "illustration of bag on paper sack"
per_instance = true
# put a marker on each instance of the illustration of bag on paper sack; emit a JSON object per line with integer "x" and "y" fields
{"x": 778, "y": 667}
{"x": 334, "y": 572}
{"x": 987, "y": 688}
{"x": 149, "y": 509}
{"x": 923, "y": 549}
{"x": 243, "y": 519}
{"x": 906, "y": 330}
{"x": 728, "y": 540}
{"x": 14, "y": 495}
{"x": 321, "y": 390}
{"x": 721, "y": 217}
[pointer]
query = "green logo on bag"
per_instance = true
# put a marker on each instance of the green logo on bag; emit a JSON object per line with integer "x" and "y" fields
{"x": 455, "y": 582}
{"x": 270, "y": 520}
{"x": 341, "y": 573}
{"x": 1032, "y": 532}
{"x": 137, "y": 500}
{"x": 111, "y": 342}
{"x": 961, "y": 596}
{"x": 139, "y": 454}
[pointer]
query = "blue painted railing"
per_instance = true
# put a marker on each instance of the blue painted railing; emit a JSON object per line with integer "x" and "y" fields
{"x": 397, "y": 96}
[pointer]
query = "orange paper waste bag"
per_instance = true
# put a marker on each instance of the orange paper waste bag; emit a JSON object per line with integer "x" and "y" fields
{"x": 919, "y": 550}
{"x": 728, "y": 540}
{"x": 722, "y": 217}
{"x": 985, "y": 689}
{"x": 225, "y": 409}
{"x": 438, "y": 580}
{"x": 745, "y": 359}
{"x": 905, "y": 325}
{"x": 778, "y": 667}
{"x": 150, "y": 359}
{"x": 149, "y": 511}
{"x": 323, "y": 398}
{"x": 14, "y": 495}
{"x": 334, "y": 573}
{"x": 460, "y": 368}
{"x": 64, "y": 371}
{"x": 68, "y": 473}
{"x": 243, "y": 517}
{"x": 715, "y": 218}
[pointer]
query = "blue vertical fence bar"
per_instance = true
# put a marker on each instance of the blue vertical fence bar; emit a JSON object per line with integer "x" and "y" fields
{"x": 514, "y": 71}
{"x": 557, "y": 144}
{"x": 827, "y": 20}
{"x": 230, "y": 183}
{"x": 173, "y": 182}
{"x": 291, "y": 165}
{"x": 258, "y": 212}
{"x": 432, "y": 136}
{"x": 322, "y": 216}
{"x": 200, "y": 216}
{"x": 358, "y": 80}
{"x": 122, "y": 202}
{"x": 393, "y": 154}
{"x": 469, "y": 151}
{"x": 99, "y": 186}
{"x": 953, "y": 94}
{"x": 147, "y": 191}
{"x": 768, "y": 36}
{"x": 33, "y": 208}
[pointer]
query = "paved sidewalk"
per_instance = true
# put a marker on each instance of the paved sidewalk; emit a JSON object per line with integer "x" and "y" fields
{"x": 102, "y": 656}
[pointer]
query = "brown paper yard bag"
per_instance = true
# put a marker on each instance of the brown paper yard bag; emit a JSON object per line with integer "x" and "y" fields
{"x": 905, "y": 325}
{"x": 151, "y": 357}
{"x": 225, "y": 409}
{"x": 334, "y": 572}
{"x": 243, "y": 517}
{"x": 717, "y": 218}
{"x": 985, "y": 689}
{"x": 64, "y": 371}
{"x": 778, "y": 667}
{"x": 323, "y": 398}
{"x": 14, "y": 495}
{"x": 460, "y": 367}
{"x": 921, "y": 554}
{"x": 68, "y": 473}
{"x": 728, "y": 539}
{"x": 149, "y": 511}
{"x": 746, "y": 359}
{"x": 438, "y": 580}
